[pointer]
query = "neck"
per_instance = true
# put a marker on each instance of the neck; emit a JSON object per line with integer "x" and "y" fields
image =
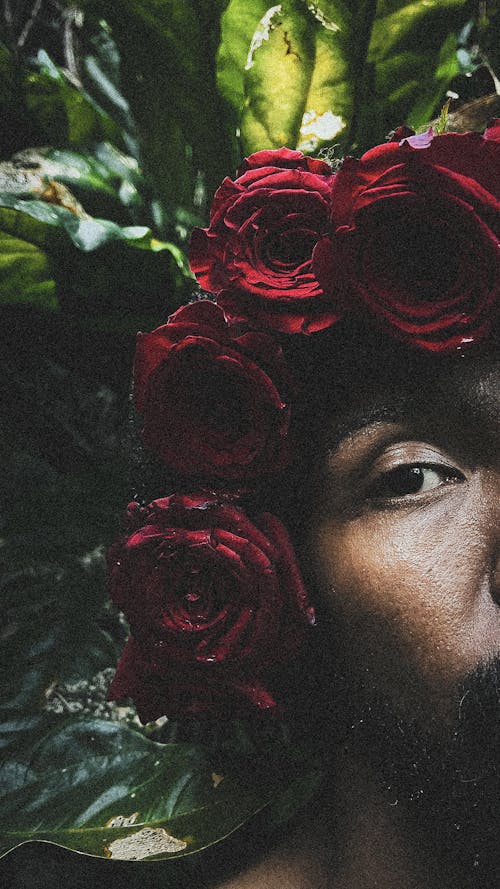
{"x": 374, "y": 843}
{"x": 356, "y": 839}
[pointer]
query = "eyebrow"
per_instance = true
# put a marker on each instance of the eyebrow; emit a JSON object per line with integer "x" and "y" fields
{"x": 358, "y": 419}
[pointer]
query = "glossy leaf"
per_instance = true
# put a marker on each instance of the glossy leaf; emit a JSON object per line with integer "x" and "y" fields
{"x": 310, "y": 75}
{"x": 93, "y": 783}
{"x": 286, "y": 69}
{"x": 101, "y": 75}
{"x": 412, "y": 58}
{"x": 64, "y": 114}
{"x": 238, "y": 26}
{"x": 43, "y": 260}
{"x": 104, "y": 180}
{"x": 85, "y": 232}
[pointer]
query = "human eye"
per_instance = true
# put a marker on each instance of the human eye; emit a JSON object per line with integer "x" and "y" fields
{"x": 411, "y": 480}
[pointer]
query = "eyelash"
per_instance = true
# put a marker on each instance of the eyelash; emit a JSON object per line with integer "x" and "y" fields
{"x": 408, "y": 475}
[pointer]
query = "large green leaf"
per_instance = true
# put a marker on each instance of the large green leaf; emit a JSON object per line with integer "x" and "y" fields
{"x": 412, "y": 57}
{"x": 102, "y": 789}
{"x": 64, "y": 114}
{"x": 238, "y": 26}
{"x": 49, "y": 256}
{"x": 108, "y": 182}
{"x": 286, "y": 69}
{"x": 167, "y": 75}
{"x": 85, "y": 232}
{"x": 310, "y": 75}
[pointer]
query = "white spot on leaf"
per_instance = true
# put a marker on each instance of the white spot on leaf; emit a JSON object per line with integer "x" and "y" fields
{"x": 262, "y": 32}
{"x": 146, "y": 842}
{"x": 321, "y": 17}
{"x": 122, "y": 820}
{"x": 319, "y": 128}
{"x": 216, "y": 779}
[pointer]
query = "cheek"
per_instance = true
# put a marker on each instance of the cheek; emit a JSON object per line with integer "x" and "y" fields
{"x": 410, "y": 590}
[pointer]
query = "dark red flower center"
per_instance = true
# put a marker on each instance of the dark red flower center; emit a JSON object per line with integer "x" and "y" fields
{"x": 217, "y": 398}
{"x": 195, "y": 596}
{"x": 415, "y": 252}
{"x": 289, "y": 248}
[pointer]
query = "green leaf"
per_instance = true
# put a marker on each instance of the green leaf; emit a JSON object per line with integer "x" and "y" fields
{"x": 286, "y": 69}
{"x": 100, "y": 60}
{"x": 64, "y": 114}
{"x": 168, "y": 77}
{"x": 93, "y": 783}
{"x": 316, "y": 75}
{"x": 25, "y": 273}
{"x": 48, "y": 255}
{"x": 412, "y": 57}
{"x": 278, "y": 75}
{"x": 86, "y": 233}
{"x": 238, "y": 26}
{"x": 105, "y": 180}
{"x": 136, "y": 275}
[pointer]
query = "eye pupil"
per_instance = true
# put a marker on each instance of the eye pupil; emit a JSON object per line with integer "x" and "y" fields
{"x": 404, "y": 480}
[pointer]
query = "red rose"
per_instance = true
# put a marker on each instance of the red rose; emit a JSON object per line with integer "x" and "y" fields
{"x": 256, "y": 252}
{"x": 214, "y": 400}
{"x": 214, "y": 603}
{"x": 417, "y": 237}
{"x": 182, "y": 692}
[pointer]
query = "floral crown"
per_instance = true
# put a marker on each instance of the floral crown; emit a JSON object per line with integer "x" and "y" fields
{"x": 407, "y": 237}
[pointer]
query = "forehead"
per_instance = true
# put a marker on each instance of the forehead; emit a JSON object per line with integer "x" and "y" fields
{"x": 456, "y": 400}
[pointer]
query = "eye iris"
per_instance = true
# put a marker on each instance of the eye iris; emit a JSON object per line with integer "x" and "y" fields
{"x": 404, "y": 480}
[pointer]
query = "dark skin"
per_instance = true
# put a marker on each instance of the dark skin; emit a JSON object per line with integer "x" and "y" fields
{"x": 405, "y": 547}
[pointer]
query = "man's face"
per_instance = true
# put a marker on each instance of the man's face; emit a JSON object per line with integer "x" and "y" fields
{"x": 407, "y": 554}
{"x": 407, "y": 541}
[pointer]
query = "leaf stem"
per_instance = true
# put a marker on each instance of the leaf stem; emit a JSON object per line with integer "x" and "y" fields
{"x": 29, "y": 24}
